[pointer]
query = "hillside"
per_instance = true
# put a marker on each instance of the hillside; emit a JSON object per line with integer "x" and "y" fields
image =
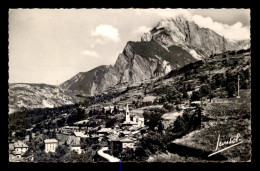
{"x": 38, "y": 96}
{"x": 85, "y": 81}
{"x": 173, "y": 97}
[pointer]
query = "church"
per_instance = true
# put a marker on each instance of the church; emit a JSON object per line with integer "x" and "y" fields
{"x": 133, "y": 119}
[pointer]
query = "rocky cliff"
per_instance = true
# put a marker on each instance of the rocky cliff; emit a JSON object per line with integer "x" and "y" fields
{"x": 200, "y": 42}
{"x": 138, "y": 61}
{"x": 171, "y": 44}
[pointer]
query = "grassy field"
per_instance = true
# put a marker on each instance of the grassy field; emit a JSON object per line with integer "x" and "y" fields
{"x": 169, "y": 157}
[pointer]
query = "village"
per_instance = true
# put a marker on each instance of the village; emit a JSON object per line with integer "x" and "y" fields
{"x": 118, "y": 138}
{"x": 117, "y": 121}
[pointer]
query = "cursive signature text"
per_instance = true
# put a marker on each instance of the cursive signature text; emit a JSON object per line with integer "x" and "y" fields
{"x": 233, "y": 141}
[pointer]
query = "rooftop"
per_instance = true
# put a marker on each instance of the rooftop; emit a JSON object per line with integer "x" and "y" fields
{"x": 104, "y": 130}
{"x": 80, "y": 134}
{"x": 20, "y": 144}
{"x": 127, "y": 139}
{"x": 113, "y": 138}
{"x": 81, "y": 122}
{"x": 51, "y": 141}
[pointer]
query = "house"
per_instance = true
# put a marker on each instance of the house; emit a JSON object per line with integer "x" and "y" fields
{"x": 74, "y": 143}
{"x": 195, "y": 103}
{"x": 117, "y": 145}
{"x": 73, "y": 140}
{"x": 104, "y": 131}
{"x": 109, "y": 108}
{"x": 139, "y": 120}
{"x": 71, "y": 129}
{"x": 76, "y": 148}
{"x": 114, "y": 144}
{"x": 19, "y": 148}
{"x": 128, "y": 142}
{"x": 50, "y": 145}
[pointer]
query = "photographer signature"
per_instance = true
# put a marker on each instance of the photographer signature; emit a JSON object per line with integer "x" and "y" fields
{"x": 233, "y": 141}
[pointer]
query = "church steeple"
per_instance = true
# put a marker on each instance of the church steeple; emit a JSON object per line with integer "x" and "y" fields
{"x": 127, "y": 114}
{"x": 127, "y": 109}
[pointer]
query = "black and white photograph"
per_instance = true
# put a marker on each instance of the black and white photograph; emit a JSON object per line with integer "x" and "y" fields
{"x": 129, "y": 85}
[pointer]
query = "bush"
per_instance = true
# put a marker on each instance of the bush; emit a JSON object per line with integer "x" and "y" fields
{"x": 203, "y": 78}
{"x": 152, "y": 143}
{"x": 195, "y": 96}
{"x": 169, "y": 107}
{"x": 204, "y": 90}
{"x": 219, "y": 80}
{"x": 178, "y": 108}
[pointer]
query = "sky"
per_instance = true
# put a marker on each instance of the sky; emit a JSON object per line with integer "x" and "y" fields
{"x": 52, "y": 45}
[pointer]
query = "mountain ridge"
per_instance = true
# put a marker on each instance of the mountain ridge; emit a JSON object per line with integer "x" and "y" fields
{"x": 171, "y": 44}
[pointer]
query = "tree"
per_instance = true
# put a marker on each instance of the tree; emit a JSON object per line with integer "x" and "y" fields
{"x": 187, "y": 122}
{"x": 184, "y": 90}
{"x": 223, "y": 44}
{"x": 231, "y": 88}
{"x": 203, "y": 78}
{"x": 204, "y": 90}
{"x": 30, "y": 136}
{"x": 110, "y": 122}
{"x": 149, "y": 144}
{"x": 197, "y": 118}
{"x": 185, "y": 95}
{"x": 80, "y": 114}
{"x": 127, "y": 154}
{"x": 141, "y": 154}
{"x": 62, "y": 150}
{"x": 115, "y": 111}
{"x": 20, "y": 134}
{"x": 195, "y": 96}
{"x": 153, "y": 120}
{"x": 219, "y": 80}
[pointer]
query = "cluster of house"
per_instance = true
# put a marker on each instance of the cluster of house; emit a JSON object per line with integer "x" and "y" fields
{"x": 107, "y": 108}
{"x": 128, "y": 134}
{"x": 120, "y": 137}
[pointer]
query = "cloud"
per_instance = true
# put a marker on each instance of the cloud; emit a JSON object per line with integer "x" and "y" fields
{"x": 165, "y": 13}
{"x": 97, "y": 41}
{"x": 142, "y": 29}
{"x": 107, "y": 31}
{"x": 90, "y": 53}
{"x": 235, "y": 32}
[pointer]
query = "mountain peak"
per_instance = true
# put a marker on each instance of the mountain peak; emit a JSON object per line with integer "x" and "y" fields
{"x": 171, "y": 44}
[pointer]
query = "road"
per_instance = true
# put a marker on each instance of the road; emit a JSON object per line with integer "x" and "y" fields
{"x": 107, "y": 156}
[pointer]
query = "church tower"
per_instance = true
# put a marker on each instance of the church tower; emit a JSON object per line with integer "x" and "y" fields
{"x": 127, "y": 114}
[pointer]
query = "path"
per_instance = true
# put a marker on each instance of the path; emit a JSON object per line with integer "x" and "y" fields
{"x": 107, "y": 156}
